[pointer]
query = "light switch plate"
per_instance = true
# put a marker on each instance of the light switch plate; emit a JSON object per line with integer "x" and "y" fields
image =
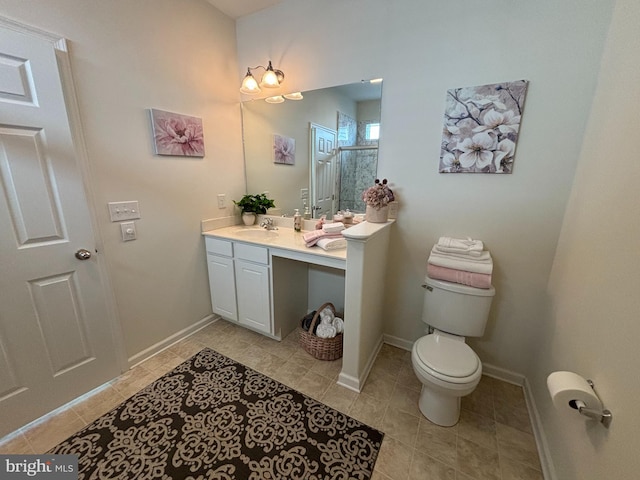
{"x": 128, "y": 231}
{"x": 120, "y": 211}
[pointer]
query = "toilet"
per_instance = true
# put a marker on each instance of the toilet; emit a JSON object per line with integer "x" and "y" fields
{"x": 447, "y": 367}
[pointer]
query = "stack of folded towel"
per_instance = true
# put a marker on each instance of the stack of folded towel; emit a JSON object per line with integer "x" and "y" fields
{"x": 461, "y": 261}
{"x": 329, "y": 237}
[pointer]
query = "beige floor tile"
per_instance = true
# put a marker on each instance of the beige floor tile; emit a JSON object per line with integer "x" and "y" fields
{"x": 438, "y": 442}
{"x": 512, "y": 470}
{"x": 478, "y": 429}
{"x": 339, "y": 397}
{"x": 512, "y": 415}
{"x": 424, "y": 467}
{"x": 289, "y": 373}
{"x": 162, "y": 362}
{"x": 477, "y": 461}
{"x": 509, "y": 393}
{"x": 17, "y": 443}
{"x": 133, "y": 381}
{"x": 368, "y": 410}
{"x": 268, "y": 364}
{"x": 517, "y": 445}
{"x": 53, "y": 430}
{"x": 313, "y": 385}
{"x": 329, "y": 369}
{"x": 379, "y": 476}
{"x": 380, "y": 386}
{"x": 406, "y": 400}
{"x": 394, "y": 459}
{"x": 400, "y": 425}
{"x": 186, "y": 348}
{"x": 98, "y": 404}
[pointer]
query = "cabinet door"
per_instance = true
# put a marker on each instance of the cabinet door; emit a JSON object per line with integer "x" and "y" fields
{"x": 223, "y": 286}
{"x": 252, "y": 287}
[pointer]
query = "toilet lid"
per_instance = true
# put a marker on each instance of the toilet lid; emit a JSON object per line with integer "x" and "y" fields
{"x": 448, "y": 357}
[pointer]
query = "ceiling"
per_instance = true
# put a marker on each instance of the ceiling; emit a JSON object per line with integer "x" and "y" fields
{"x": 239, "y": 8}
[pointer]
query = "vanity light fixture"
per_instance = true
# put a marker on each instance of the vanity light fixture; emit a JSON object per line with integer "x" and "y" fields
{"x": 271, "y": 78}
{"x": 275, "y": 99}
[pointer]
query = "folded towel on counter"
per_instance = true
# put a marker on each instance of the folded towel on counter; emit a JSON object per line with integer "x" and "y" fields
{"x": 470, "y": 264}
{"x": 335, "y": 227}
{"x": 472, "y": 279}
{"x": 460, "y": 245}
{"x": 312, "y": 237}
{"x": 332, "y": 243}
{"x": 473, "y": 255}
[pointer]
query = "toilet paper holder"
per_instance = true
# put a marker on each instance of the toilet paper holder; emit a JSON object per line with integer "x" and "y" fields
{"x": 605, "y": 416}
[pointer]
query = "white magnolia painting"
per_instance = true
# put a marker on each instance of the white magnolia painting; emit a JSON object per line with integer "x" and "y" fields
{"x": 481, "y": 126}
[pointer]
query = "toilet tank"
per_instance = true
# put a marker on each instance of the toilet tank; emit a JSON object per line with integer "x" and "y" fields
{"x": 456, "y": 308}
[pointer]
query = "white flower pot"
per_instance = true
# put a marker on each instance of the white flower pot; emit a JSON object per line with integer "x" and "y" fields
{"x": 248, "y": 218}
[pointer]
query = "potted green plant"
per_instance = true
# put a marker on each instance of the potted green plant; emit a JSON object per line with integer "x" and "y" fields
{"x": 251, "y": 205}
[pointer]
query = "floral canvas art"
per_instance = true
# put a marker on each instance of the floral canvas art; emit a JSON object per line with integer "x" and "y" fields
{"x": 284, "y": 150}
{"x": 176, "y": 134}
{"x": 481, "y": 126}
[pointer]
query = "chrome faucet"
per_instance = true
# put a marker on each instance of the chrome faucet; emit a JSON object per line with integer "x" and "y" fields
{"x": 267, "y": 222}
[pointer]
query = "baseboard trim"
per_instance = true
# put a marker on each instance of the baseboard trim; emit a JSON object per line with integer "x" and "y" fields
{"x": 356, "y": 384}
{"x": 171, "y": 340}
{"x": 398, "y": 342}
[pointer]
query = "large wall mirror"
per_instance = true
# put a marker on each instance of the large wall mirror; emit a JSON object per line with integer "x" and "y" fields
{"x": 320, "y": 151}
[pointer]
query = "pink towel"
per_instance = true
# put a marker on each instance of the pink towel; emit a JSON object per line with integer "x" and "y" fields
{"x": 478, "y": 280}
{"x": 311, "y": 238}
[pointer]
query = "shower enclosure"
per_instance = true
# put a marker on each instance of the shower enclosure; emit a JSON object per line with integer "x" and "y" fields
{"x": 358, "y": 167}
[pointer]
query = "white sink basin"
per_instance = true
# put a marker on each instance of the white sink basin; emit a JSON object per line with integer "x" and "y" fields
{"x": 257, "y": 234}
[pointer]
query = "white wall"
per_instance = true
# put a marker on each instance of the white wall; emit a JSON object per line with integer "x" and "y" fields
{"x": 128, "y": 57}
{"x": 421, "y": 49}
{"x": 593, "y": 324}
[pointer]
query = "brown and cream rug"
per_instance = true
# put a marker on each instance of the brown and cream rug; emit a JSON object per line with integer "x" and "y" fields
{"x": 213, "y": 418}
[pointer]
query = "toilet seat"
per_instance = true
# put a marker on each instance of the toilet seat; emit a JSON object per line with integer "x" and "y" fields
{"x": 449, "y": 360}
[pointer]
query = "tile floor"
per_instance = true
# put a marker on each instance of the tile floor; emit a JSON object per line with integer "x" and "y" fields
{"x": 493, "y": 439}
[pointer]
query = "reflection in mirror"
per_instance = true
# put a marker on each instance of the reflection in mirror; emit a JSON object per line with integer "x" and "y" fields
{"x": 320, "y": 152}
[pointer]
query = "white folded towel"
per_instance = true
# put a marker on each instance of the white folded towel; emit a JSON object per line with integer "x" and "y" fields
{"x": 332, "y": 243}
{"x": 472, "y": 255}
{"x": 469, "y": 264}
{"x": 460, "y": 244}
{"x": 338, "y": 323}
{"x": 335, "y": 227}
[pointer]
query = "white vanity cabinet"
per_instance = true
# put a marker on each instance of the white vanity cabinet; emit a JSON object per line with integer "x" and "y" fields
{"x": 239, "y": 282}
{"x": 253, "y": 287}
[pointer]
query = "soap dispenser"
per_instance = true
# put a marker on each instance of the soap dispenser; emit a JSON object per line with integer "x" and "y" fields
{"x": 307, "y": 213}
{"x": 297, "y": 221}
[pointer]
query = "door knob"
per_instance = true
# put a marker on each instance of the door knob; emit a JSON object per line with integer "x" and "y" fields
{"x": 83, "y": 254}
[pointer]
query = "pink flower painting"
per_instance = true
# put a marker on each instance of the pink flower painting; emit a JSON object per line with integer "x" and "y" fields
{"x": 176, "y": 134}
{"x": 481, "y": 127}
{"x": 284, "y": 150}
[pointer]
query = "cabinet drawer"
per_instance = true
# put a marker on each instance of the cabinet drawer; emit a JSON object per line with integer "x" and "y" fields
{"x": 252, "y": 253}
{"x": 219, "y": 247}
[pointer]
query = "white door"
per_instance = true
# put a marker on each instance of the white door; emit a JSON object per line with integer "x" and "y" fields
{"x": 56, "y": 335}
{"x": 323, "y": 169}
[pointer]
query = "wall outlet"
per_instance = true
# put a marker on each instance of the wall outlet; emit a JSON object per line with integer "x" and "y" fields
{"x": 304, "y": 193}
{"x": 120, "y": 211}
{"x": 222, "y": 200}
{"x": 128, "y": 231}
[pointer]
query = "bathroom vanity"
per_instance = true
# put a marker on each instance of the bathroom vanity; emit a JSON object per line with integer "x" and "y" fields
{"x": 267, "y": 280}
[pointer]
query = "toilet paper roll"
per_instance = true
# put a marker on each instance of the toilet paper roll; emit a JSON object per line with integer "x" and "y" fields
{"x": 567, "y": 387}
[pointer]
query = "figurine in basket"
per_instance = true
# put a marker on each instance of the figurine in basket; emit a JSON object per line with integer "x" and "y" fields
{"x": 330, "y": 325}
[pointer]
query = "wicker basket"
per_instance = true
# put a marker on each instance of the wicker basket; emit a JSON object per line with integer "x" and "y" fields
{"x": 321, "y": 348}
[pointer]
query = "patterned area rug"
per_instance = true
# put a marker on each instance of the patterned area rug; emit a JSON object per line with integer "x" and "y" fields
{"x": 213, "y": 418}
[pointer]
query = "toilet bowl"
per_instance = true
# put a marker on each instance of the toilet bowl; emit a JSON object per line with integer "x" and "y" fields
{"x": 445, "y": 365}
{"x": 448, "y": 370}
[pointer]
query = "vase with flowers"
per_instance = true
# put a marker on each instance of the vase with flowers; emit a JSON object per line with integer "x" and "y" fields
{"x": 377, "y": 199}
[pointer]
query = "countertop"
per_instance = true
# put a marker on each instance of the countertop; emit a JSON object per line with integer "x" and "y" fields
{"x": 284, "y": 240}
